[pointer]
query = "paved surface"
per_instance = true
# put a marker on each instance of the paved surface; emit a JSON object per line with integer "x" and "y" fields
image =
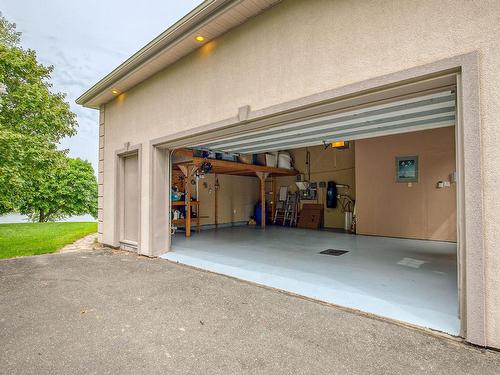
{"x": 86, "y": 243}
{"x": 116, "y": 313}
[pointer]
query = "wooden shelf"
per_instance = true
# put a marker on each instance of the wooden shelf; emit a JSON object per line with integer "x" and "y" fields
{"x": 188, "y": 164}
{"x": 183, "y": 221}
{"x": 234, "y": 168}
{"x": 183, "y": 203}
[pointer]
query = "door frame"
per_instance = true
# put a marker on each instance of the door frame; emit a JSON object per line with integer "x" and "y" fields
{"x": 120, "y": 156}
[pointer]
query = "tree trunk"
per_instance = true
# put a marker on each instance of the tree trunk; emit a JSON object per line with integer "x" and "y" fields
{"x": 41, "y": 216}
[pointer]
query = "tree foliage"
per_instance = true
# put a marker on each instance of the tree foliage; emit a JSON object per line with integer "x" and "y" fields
{"x": 24, "y": 162}
{"x": 33, "y": 120}
{"x": 28, "y": 106}
{"x": 69, "y": 188}
{"x": 8, "y": 34}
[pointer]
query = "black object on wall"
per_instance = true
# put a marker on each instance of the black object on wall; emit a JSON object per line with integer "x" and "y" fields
{"x": 331, "y": 195}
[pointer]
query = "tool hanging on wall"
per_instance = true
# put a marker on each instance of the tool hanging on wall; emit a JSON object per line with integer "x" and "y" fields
{"x": 331, "y": 195}
{"x": 307, "y": 189}
{"x": 206, "y": 167}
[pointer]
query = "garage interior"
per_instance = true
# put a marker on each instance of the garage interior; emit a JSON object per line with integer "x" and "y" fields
{"x": 357, "y": 207}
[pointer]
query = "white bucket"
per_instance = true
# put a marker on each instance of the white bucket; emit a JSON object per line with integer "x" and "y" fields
{"x": 284, "y": 160}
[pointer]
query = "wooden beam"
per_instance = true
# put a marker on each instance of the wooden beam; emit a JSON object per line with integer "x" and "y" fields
{"x": 224, "y": 166}
{"x": 241, "y": 172}
{"x": 273, "y": 196}
{"x": 187, "y": 198}
{"x": 184, "y": 169}
{"x": 262, "y": 177}
{"x": 216, "y": 194}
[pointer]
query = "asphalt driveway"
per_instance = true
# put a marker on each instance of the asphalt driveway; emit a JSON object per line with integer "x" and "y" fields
{"x": 116, "y": 313}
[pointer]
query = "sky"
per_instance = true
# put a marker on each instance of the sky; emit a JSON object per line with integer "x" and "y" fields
{"x": 85, "y": 40}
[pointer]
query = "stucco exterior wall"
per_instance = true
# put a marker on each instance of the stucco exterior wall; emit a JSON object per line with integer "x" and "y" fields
{"x": 299, "y": 48}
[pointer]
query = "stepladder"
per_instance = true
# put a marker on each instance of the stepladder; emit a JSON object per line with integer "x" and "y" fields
{"x": 286, "y": 211}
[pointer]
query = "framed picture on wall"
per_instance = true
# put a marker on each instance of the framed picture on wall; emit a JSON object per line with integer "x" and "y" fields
{"x": 406, "y": 168}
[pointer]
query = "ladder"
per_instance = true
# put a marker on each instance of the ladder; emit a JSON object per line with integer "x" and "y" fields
{"x": 286, "y": 211}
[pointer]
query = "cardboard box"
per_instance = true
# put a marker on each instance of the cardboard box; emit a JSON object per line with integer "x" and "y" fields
{"x": 311, "y": 216}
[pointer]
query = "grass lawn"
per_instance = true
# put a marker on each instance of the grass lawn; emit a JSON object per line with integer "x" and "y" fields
{"x": 40, "y": 238}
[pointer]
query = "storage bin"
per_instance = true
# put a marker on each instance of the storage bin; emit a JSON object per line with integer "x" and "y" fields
{"x": 245, "y": 158}
{"x": 268, "y": 160}
{"x": 284, "y": 160}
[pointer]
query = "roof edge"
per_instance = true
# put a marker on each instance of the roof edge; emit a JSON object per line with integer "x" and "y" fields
{"x": 179, "y": 29}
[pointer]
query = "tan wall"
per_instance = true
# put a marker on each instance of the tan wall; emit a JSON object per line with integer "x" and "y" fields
{"x": 130, "y": 199}
{"x": 414, "y": 210}
{"x": 300, "y": 48}
{"x": 326, "y": 165}
{"x": 236, "y": 198}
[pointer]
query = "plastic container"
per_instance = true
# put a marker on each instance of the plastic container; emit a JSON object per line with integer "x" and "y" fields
{"x": 267, "y": 160}
{"x": 225, "y": 156}
{"x": 246, "y": 159}
{"x": 258, "y": 214}
{"x": 284, "y": 160}
{"x": 347, "y": 220}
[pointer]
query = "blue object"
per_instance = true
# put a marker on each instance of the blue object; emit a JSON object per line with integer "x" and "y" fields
{"x": 258, "y": 213}
{"x": 175, "y": 196}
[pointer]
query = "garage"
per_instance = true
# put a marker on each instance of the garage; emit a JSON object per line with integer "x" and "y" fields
{"x": 354, "y": 204}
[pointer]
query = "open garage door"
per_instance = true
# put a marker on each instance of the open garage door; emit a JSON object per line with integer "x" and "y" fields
{"x": 405, "y": 270}
{"x": 399, "y": 116}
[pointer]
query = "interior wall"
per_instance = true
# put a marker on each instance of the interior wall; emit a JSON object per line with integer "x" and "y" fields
{"x": 326, "y": 165}
{"x": 236, "y": 198}
{"x": 413, "y": 210}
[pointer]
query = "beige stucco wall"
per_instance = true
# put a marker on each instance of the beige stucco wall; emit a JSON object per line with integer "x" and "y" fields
{"x": 416, "y": 210}
{"x": 303, "y": 47}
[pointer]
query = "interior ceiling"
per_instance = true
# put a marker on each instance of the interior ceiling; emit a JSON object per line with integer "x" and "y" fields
{"x": 399, "y": 116}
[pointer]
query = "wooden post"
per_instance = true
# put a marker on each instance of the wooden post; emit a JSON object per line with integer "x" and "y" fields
{"x": 273, "y": 196}
{"x": 188, "y": 206}
{"x": 216, "y": 199}
{"x": 188, "y": 172}
{"x": 262, "y": 177}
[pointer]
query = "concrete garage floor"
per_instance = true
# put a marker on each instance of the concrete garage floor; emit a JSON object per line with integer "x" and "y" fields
{"x": 413, "y": 281}
{"x": 117, "y": 313}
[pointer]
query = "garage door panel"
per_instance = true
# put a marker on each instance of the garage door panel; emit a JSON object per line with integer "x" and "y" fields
{"x": 417, "y": 113}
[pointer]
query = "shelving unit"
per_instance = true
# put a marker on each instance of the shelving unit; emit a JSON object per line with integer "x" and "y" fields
{"x": 189, "y": 164}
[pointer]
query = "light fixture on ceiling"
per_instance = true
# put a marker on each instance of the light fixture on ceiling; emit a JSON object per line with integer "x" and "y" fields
{"x": 200, "y": 39}
{"x": 114, "y": 92}
{"x": 340, "y": 144}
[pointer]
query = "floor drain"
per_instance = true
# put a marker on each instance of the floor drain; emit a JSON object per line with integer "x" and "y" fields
{"x": 333, "y": 252}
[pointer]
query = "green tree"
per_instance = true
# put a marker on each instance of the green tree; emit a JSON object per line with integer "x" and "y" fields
{"x": 24, "y": 163}
{"x": 68, "y": 189}
{"x": 8, "y": 34}
{"x": 33, "y": 120}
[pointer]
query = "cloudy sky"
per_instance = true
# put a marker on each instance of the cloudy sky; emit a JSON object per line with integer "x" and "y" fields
{"x": 85, "y": 40}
